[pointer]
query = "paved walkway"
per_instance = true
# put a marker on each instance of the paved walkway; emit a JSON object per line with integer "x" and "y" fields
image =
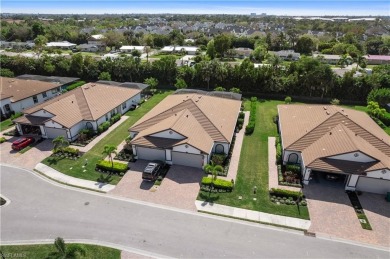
{"x": 252, "y": 215}
{"x": 273, "y": 178}
{"x": 54, "y": 174}
{"x": 235, "y": 159}
{"x": 98, "y": 138}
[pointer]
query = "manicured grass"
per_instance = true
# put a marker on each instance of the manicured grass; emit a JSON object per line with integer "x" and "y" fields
{"x": 253, "y": 170}
{"x": 43, "y": 251}
{"x": 75, "y": 167}
{"x": 6, "y": 124}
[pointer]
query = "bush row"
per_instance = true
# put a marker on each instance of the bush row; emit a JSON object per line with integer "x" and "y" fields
{"x": 104, "y": 126}
{"x": 115, "y": 118}
{"x": 2, "y": 140}
{"x": 279, "y": 151}
{"x": 218, "y": 183}
{"x": 67, "y": 150}
{"x": 113, "y": 167}
{"x": 385, "y": 118}
{"x": 75, "y": 85}
{"x": 286, "y": 193}
{"x": 252, "y": 118}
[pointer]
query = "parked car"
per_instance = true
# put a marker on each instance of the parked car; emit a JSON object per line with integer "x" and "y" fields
{"x": 22, "y": 143}
{"x": 152, "y": 170}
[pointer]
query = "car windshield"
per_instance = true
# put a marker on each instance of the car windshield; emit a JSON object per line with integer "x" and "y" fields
{"x": 20, "y": 141}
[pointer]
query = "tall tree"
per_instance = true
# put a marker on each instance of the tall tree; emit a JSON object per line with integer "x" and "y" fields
{"x": 110, "y": 150}
{"x": 305, "y": 45}
{"x": 222, "y": 43}
{"x": 40, "y": 43}
{"x": 63, "y": 252}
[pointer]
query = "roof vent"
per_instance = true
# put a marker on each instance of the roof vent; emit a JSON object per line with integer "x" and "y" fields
{"x": 327, "y": 112}
{"x": 325, "y": 108}
{"x": 330, "y": 133}
{"x": 187, "y": 115}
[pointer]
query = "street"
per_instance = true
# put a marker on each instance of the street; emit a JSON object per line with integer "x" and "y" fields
{"x": 40, "y": 209}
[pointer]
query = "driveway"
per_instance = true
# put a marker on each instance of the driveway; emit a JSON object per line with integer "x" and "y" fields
{"x": 27, "y": 160}
{"x": 332, "y": 214}
{"x": 179, "y": 188}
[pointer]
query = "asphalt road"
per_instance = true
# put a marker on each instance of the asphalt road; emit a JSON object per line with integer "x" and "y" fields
{"x": 42, "y": 210}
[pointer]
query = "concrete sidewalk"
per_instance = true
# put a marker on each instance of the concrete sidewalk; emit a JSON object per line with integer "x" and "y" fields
{"x": 54, "y": 174}
{"x": 252, "y": 215}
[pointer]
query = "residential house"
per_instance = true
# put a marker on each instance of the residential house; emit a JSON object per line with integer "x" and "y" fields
{"x": 335, "y": 141}
{"x": 60, "y": 45}
{"x": 97, "y": 40}
{"x": 243, "y": 52}
{"x": 19, "y": 94}
{"x": 288, "y": 54}
{"x": 63, "y": 81}
{"x": 328, "y": 59}
{"x": 189, "y": 50}
{"x": 88, "y": 47}
{"x": 187, "y": 127}
{"x": 85, "y": 107}
{"x": 144, "y": 88}
{"x": 132, "y": 48}
{"x": 377, "y": 59}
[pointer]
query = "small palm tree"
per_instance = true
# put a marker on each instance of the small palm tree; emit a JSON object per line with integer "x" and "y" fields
{"x": 109, "y": 150}
{"x": 60, "y": 142}
{"x": 343, "y": 61}
{"x": 66, "y": 253}
{"x": 214, "y": 170}
{"x": 360, "y": 61}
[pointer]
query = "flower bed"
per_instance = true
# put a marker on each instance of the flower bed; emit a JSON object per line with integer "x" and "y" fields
{"x": 289, "y": 176}
{"x": 108, "y": 167}
{"x": 68, "y": 152}
{"x": 125, "y": 155}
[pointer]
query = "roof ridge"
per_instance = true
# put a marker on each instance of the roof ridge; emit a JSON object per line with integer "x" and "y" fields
{"x": 312, "y": 130}
{"x": 86, "y": 101}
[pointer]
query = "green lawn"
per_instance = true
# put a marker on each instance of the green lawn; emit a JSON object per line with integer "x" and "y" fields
{"x": 75, "y": 167}
{"x": 364, "y": 109}
{"x": 42, "y": 251}
{"x": 253, "y": 170}
{"x": 6, "y": 124}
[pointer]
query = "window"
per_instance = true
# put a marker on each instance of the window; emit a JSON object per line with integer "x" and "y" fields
{"x": 44, "y": 95}
{"x": 106, "y": 117}
{"x": 219, "y": 149}
{"x": 124, "y": 105}
{"x": 293, "y": 158}
{"x": 35, "y": 99}
{"x": 53, "y": 91}
{"x": 112, "y": 112}
{"x": 7, "y": 108}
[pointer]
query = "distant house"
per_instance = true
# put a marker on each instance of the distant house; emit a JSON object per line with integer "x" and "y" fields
{"x": 97, "y": 39}
{"x": 17, "y": 45}
{"x": 377, "y": 59}
{"x": 89, "y": 47}
{"x": 85, "y": 107}
{"x": 328, "y": 59}
{"x": 243, "y": 52}
{"x": 61, "y": 80}
{"x": 187, "y": 128}
{"x": 330, "y": 142}
{"x": 189, "y": 50}
{"x": 288, "y": 54}
{"x": 140, "y": 86}
{"x": 132, "y": 48}
{"x": 61, "y": 45}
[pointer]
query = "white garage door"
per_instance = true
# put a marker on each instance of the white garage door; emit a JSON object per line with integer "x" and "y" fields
{"x": 151, "y": 153}
{"x": 53, "y": 132}
{"x": 375, "y": 185}
{"x": 179, "y": 158}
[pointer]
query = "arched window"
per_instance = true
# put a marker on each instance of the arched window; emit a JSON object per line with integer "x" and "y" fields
{"x": 219, "y": 149}
{"x": 89, "y": 126}
{"x": 293, "y": 158}
{"x": 7, "y": 108}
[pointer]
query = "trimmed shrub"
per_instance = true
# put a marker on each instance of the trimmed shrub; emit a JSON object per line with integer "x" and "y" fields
{"x": 107, "y": 165}
{"x": 16, "y": 115}
{"x": 67, "y": 150}
{"x": 2, "y": 140}
{"x": 75, "y": 85}
{"x": 286, "y": 193}
{"x": 252, "y": 118}
{"x": 385, "y": 118}
{"x": 104, "y": 126}
{"x": 287, "y": 100}
{"x": 250, "y": 128}
{"x": 218, "y": 184}
{"x": 241, "y": 115}
{"x": 218, "y": 159}
{"x": 379, "y": 122}
{"x": 115, "y": 118}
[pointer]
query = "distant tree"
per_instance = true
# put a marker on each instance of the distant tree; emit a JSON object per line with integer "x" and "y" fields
{"x": 37, "y": 29}
{"x": 343, "y": 61}
{"x": 40, "y": 43}
{"x": 335, "y": 101}
{"x": 211, "y": 49}
{"x": 380, "y": 96}
{"x": 147, "y": 51}
{"x": 222, "y": 44}
{"x": 136, "y": 53}
{"x": 110, "y": 150}
{"x": 113, "y": 39}
{"x": 152, "y": 82}
{"x": 105, "y": 76}
{"x": 259, "y": 53}
{"x": 360, "y": 61}
{"x": 305, "y": 45}
{"x": 287, "y": 100}
{"x": 180, "y": 83}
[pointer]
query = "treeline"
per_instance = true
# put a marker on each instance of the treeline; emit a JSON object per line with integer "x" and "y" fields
{"x": 306, "y": 77}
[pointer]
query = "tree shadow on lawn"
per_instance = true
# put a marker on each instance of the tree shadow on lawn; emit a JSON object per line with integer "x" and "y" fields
{"x": 206, "y": 197}
{"x": 53, "y": 160}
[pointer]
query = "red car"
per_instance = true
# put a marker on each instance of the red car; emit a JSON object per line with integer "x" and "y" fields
{"x": 22, "y": 143}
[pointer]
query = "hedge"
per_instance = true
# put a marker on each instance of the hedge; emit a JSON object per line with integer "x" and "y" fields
{"x": 252, "y": 117}
{"x": 2, "y": 140}
{"x": 67, "y": 150}
{"x": 218, "y": 183}
{"x": 385, "y": 118}
{"x": 286, "y": 193}
{"x": 16, "y": 115}
{"x": 115, "y": 118}
{"x": 104, "y": 126}
{"x": 107, "y": 165}
{"x": 75, "y": 85}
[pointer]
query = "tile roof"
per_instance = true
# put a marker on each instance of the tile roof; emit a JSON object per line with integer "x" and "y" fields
{"x": 201, "y": 119}
{"x": 324, "y": 131}
{"x": 19, "y": 89}
{"x": 53, "y": 79}
{"x": 88, "y": 102}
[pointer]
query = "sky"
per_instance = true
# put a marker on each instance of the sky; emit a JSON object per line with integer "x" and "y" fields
{"x": 275, "y": 7}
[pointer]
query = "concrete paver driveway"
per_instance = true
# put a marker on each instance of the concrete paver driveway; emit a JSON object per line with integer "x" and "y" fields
{"x": 27, "y": 160}
{"x": 179, "y": 188}
{"x": 332, "y": 214}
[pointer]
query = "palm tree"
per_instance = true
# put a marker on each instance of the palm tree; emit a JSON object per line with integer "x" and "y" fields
{"x": 109, "y": 150}
{"x": 60, "y": 142}
{"x": 147, "y": 51}
{"x": 360, "y": 61}
{"x": 343, "y": 61}
{"x": 66, "y": 253}
{"x": 214, "y": 170}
